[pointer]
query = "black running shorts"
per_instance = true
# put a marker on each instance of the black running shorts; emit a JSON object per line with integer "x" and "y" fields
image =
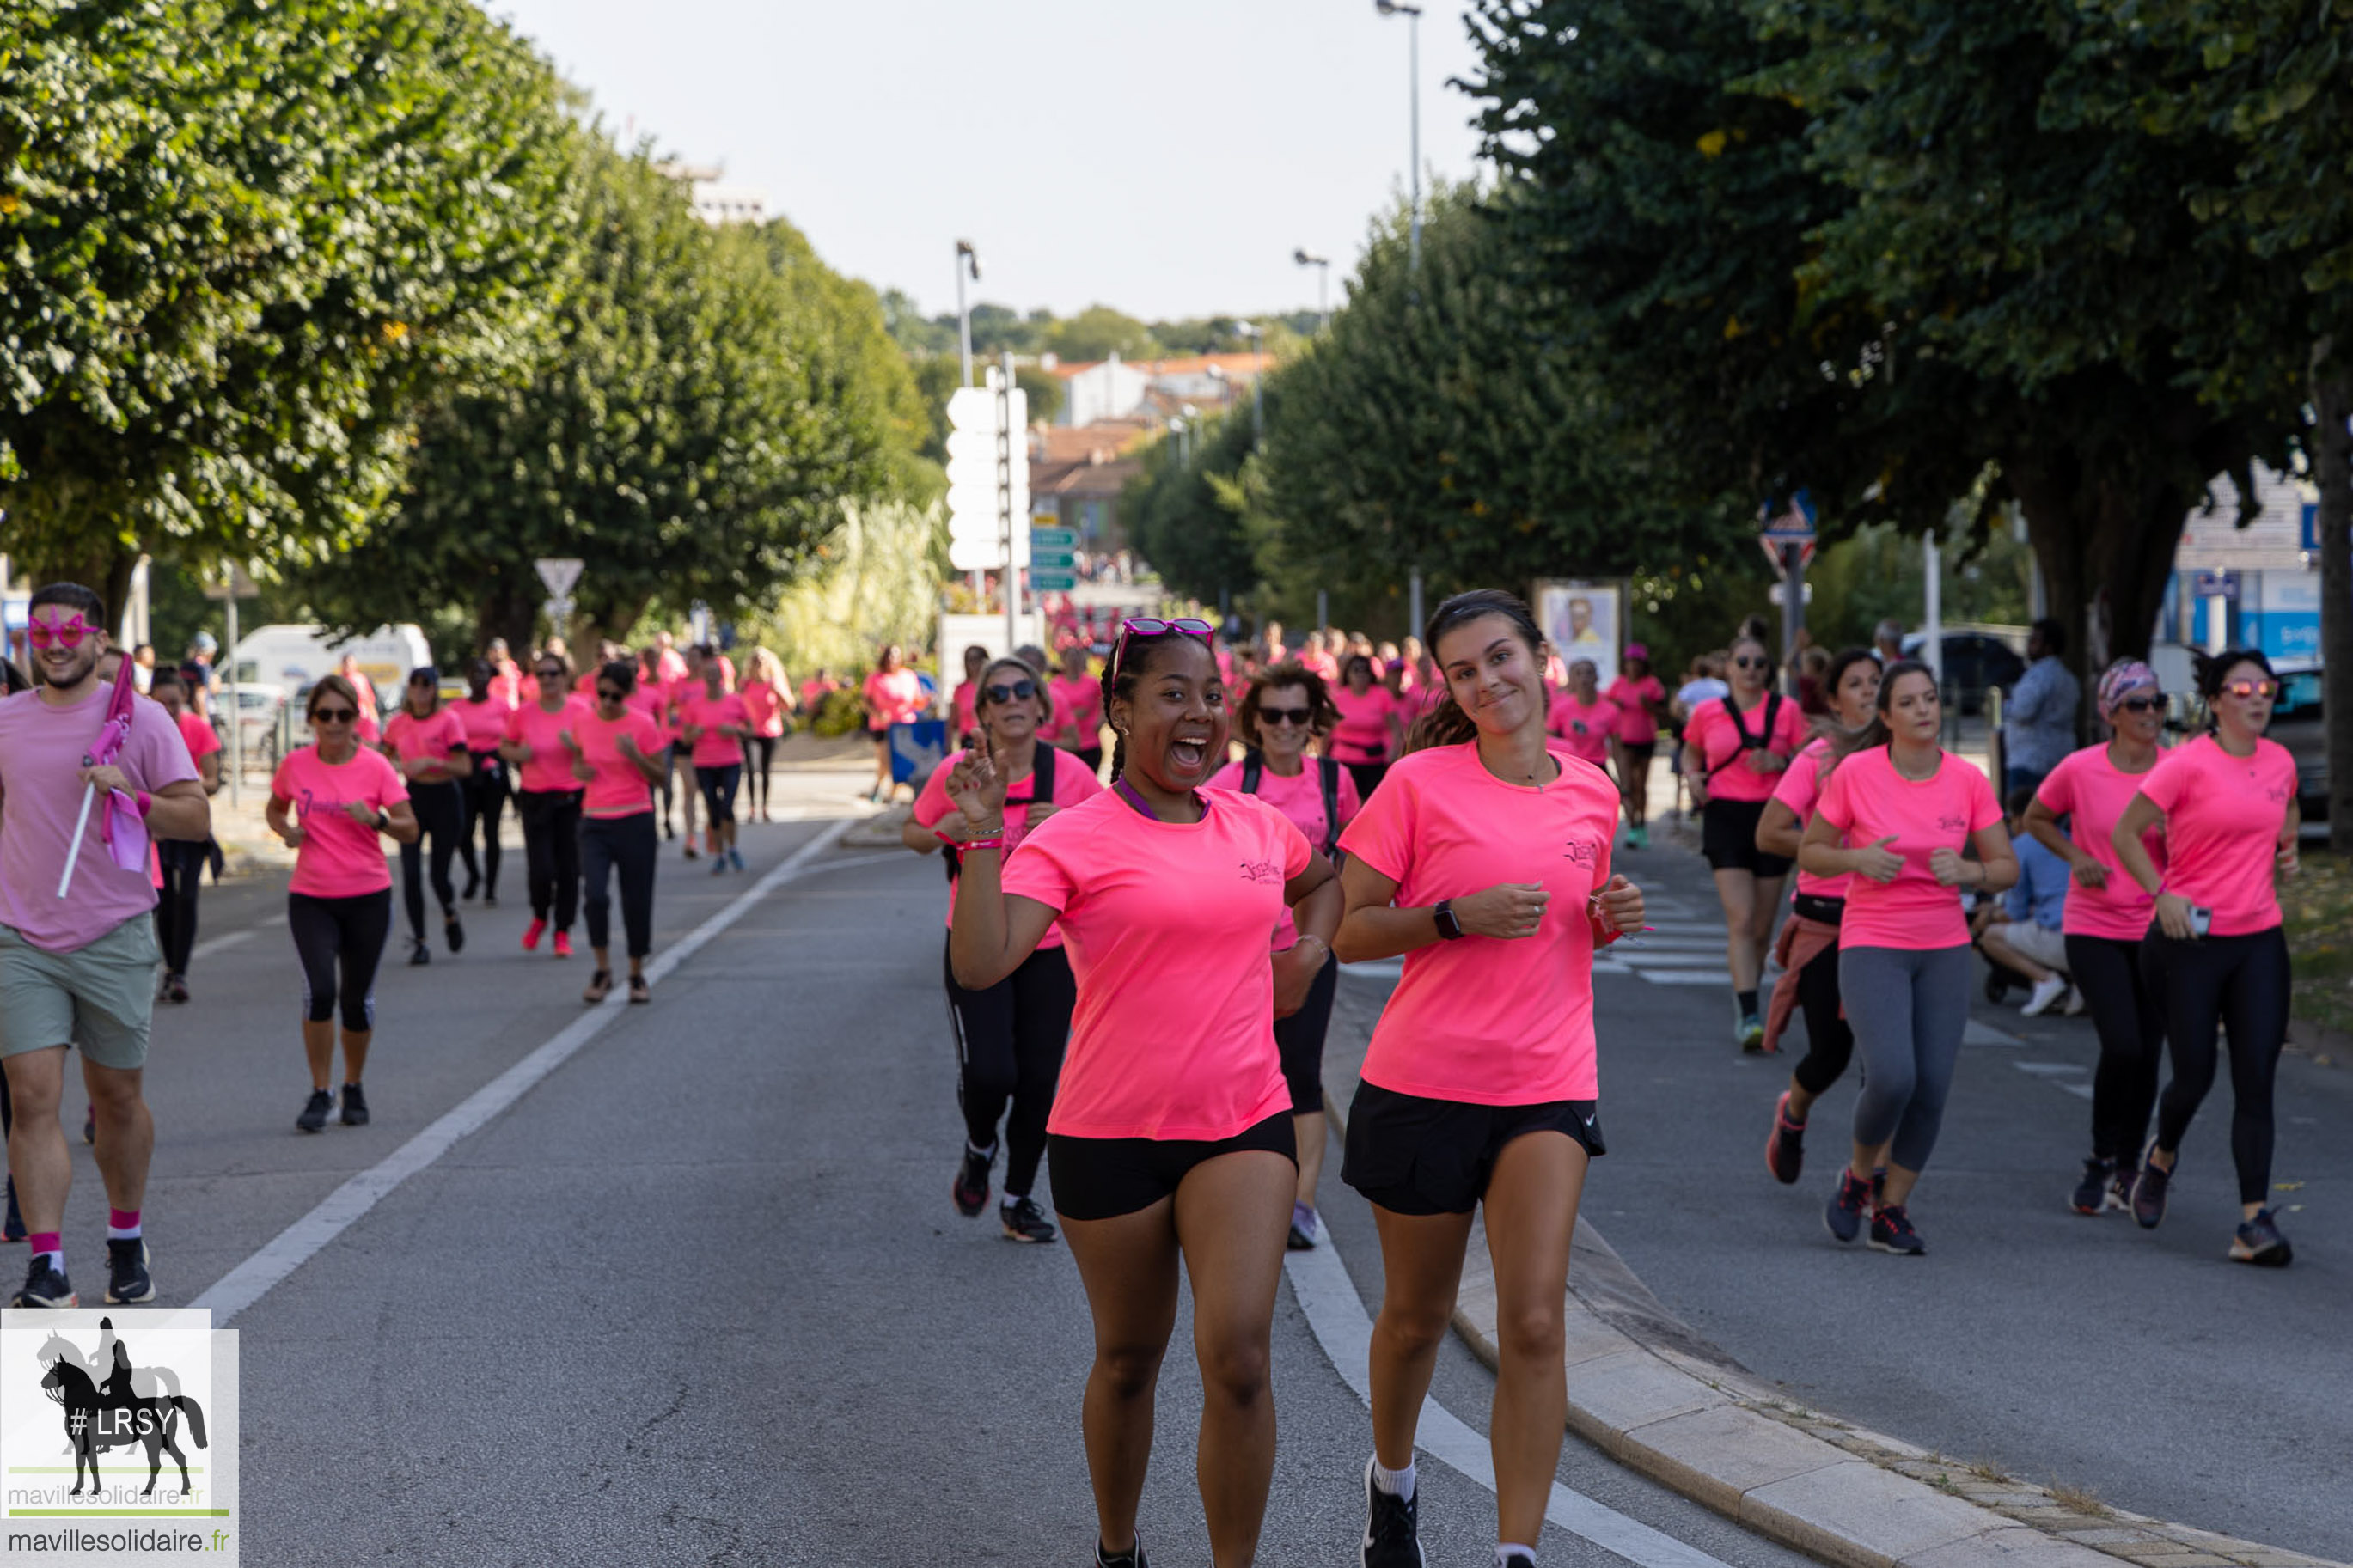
{"x": 1103, "y": 1178}
{"x": 1417, "y": 1156}
{"x": 1727, "y": 838}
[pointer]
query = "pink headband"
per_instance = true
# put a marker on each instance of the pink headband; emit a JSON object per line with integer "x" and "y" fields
{"x": 2124, "y": 678}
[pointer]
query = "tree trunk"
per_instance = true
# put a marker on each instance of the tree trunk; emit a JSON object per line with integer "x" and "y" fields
{"x": 510, "y": 616}
{"x": 103, "y": 564}
{"x": 2332, "y": 468}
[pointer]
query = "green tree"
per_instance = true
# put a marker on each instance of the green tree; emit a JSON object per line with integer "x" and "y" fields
{"x": 1187, "y": 517}
{"x": 1099, "y": 331}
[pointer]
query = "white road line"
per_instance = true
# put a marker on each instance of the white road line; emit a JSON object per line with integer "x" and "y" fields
{"x": 1335, "y": 1313}
{"x": 1715, "y": 976}
{"x": 247, "y": 1283}
{"x": 212, "y": 944}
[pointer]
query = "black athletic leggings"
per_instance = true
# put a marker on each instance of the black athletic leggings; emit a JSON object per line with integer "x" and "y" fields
{"x": 440, "y": 811}
{"x": 719, "y": 785}
{"x": 1009, "y": 1041}
{"x": 345, "y": 934}
{"x": 2131, "y": 1027}
{"x": 184, "y": 865}
{"x": 2240, "y": 983}
{"x": 759, "y": 756}
{"x": 551, "y": 853}
{"x": 484, "y": 792}
{"x": 627, "y": 845}
{"x": 1830, "y": 1039}
{"x": 1298, "y": 1040}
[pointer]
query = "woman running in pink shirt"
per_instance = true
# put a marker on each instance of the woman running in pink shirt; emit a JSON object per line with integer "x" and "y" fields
{"x": 617, "y": 759}
{"x": 427, "y": 742}
{"x": 1484, "y": 859}
{"x": 1170, "y": 1143}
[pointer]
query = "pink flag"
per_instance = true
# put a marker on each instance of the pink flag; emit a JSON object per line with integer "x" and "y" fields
{"x": 121, "y": 829}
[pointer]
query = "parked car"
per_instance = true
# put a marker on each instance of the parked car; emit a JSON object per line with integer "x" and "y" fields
{"x": 258, "y": 707}
{"x": 2295, "y": 724}
{"x": 1974, "y": 663}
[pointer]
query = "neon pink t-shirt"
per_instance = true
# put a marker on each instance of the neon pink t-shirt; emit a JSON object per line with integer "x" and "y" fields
{"x": 1710, "y": 740}
{"x": 1079, "y": 700}
{"x": 1583, "y": 728}
{"x": 41, "y": 791}
{"x": 2090, "y": 790}
{"x": 646, "y": 696}
{"x": 339, "y": 858}
{"x": 896, "y": 696}
{"x": 1166, "y": 924}
{"x": 1362, "y": 735}
{"x": 2223, "y": 821}
{"x": 1867, "y": 800}
{"x": 1072, "y": 784}
{"x": 1636, "y": 726}
{"x": 714, "y": 748}
{"x": 618, "y": 789}
{"x": 1800, "y": 789}
{"x": 202, "y": 741}
{"x": 813, "y": 695}
{"x": 765, "y": 706}
{"x": 671, "y": 666}
{"x": 966, "y": 697}
{"x": 436, "y": 736}
{"x": 1300, "y": 798}
{"x": 485, "y": 721}
{"x": 365, "y": 730}
{"x": 549, "y": 770}
{"x": 1480, "y": 1020}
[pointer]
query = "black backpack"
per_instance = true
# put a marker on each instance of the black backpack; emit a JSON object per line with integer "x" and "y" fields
{"x": 1042, "y": 787}
{"x": 1328, "y": 770}
{"x": 1747, "y": 742}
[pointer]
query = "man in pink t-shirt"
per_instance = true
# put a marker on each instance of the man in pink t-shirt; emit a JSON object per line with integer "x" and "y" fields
{"x": 81, "y": 970}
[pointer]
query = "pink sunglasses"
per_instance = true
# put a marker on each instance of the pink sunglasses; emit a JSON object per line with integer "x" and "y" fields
{"x": 62, "y": 633}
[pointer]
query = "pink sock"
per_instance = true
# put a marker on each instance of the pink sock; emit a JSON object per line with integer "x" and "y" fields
{"x": 47, "y": 1241}
{"x": 120, "y": 1224}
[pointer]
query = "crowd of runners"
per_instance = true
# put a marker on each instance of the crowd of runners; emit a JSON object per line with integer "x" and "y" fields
{"x": 1141, "y": 952}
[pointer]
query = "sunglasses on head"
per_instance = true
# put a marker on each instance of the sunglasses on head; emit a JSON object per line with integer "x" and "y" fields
{"x": 1300, "y": 716}
{"x": 61, "y": 634}
{"x": 2251, "y": 689}
{"x": 333, "y": 715}
{"x": 1019, "y": 691}
{"x": 1152, "y": 626}
{"x": 2140, "y": 704}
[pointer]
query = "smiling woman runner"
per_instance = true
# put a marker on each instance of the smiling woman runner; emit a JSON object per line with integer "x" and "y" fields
{"x": 483, "y": 711}
{"x": 1479, "y": 1084}
{"x": 329, "y": 801}
{"x": 618, "y": 758}
{"x": 1170, "y": 1141}
{"x": 548, "y": 801}
{"x": 427, "y": 743}
{"x": 1009, "y": 1035}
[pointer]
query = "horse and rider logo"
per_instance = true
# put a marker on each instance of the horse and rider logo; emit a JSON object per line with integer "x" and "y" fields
{"x": 108, "y": 1404}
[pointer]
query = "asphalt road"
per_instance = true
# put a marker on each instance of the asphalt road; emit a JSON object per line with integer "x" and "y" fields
{"x": 698, "y": 1294}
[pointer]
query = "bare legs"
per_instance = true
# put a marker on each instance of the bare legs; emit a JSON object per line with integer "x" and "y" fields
{"x": 1308, "y": 1128}
{"x": 1749, "y": 901}
{"x": 38, "y": 1155}
{"x": 319, "y": 1045}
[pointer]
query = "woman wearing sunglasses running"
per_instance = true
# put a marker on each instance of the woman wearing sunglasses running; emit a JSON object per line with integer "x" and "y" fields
{"x": 1287, "y": 708}
{"x": 2216, "y": 956}
{"x": 1371, "y": 732}
{"x": 767, "y": 699}
{"x": 715, "y": 722}
{"x": 1909, "y": 808}
{"x": 1009, "y": 1035}
{"x": 1484, "y": 859}
{"x": 427, "y": 743}
{"x": 1736, "y": 748}
{"x": 1170, "y": 1141}
{"x": 617, "y": 759}
{"x": 329, "y": 801}
{"x": 547, "y": 799}
{"x": 483, "y": 710}
{"x": 2106, "y": 915}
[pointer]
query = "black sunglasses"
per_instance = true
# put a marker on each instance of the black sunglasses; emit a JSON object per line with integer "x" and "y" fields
{"x": 1749, "y": 663}
{"x": 1300, "y": 716}
{"x": 1019, "y": 691}
{"x": 2141, "y": 704}
{"x": 607, "y": 694}
{"x": 333, "y": 715}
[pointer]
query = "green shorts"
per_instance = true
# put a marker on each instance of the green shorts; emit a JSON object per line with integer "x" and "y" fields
{"x": 100, "y": 997}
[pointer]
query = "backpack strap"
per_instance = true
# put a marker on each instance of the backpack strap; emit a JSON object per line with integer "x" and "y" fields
{"x": 1772, "y": 714}
{"x": 1042, "y": 773}
{"x": 1253, "y": 770}
{"x": 1329, "y": 767}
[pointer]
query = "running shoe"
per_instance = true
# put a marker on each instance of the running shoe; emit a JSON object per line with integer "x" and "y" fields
{"x": 1891, "y": 1231}
{"x": 2259, "y": 1242}
{"x": 1785, "y": 1151}
{"x": 1844, "y": 1215}
{"x": 13, "y": 1228}
{"x": 490, "y": 900}
{"x": 1643, "y": 836}
{"x": 692, "y": 853}
{"x": 1752, "y": 1032}
{"x": 1131, "y": 1558}
{"x": 640, "y": 991}
{"x": 127, "y": 1282}
{"x": 669, "y": 830}
{"x": 531, "y": 935}
{"x": 2091, "y": 1195}
{"x": 1024, "y": 1220}
{"x": 564, "y": 944}
{"x": 2047, "y": 990}
{"x": 971, "y": 1189}
{"x": 355, "y": 1111}
{"x": 314, "y": 1111}
{"x": 2149, "y": 1194}
{"x": 2120, "y": 1187}
{"x": 453, "y": 934}
{"x": 45, "y": 1285}
{"x": 1392, "y": 1527}
{"x": 734, "y": 857}
{"x": 719, "y": 865}
{"x": 418, "y": 953}
{"x": 473, "y": 885}
{"x": 600, "y": 985}
{"x": 1303, "y": 1228}
{"x": 176, "y": 988}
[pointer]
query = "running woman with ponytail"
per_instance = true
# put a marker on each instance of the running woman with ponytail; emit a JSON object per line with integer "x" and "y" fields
{"x": 617, "y": 759}
{"x": 1808, "y": 947}
{"x": 1009, "y": 1035}
{"x": 1170, "y": 1141}
{"x": 1736, "y": 748}
{"x": 548, "y": 800}
{"x": 1286, "y": 707}
{"x": 766, "y": 698}
{"x": 2108, "y": 914}
{"x": 484, "y": 713}
{"x": 2216, "y": 956}
{"x": 1909, "y": 808}
{"x": 426, "y": 744}
{"x": 1078, "y": 696}
{"x": 1485, "y": 860}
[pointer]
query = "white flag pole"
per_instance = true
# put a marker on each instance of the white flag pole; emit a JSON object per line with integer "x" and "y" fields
{"x": 81, "y": 825}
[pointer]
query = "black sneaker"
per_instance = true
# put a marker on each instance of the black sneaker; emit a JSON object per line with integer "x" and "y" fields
{"x": 1131, "y": 1558}
{"x": 971, "y": 1189}
{"x": 453, "y": 934}
{"x": 45, "y": 1286}
{"x": 2120, "y": 1186}
{"x": 2149, "y": 1194}
{"x": 1392, "y": 1527}
{"x": 1844, "y": 1216}
{"x": 2259, "y": 1242}
{"x": 2091, "y": 1195}
{"x": 1785, "y": 1150}
{"x": 127, "y": 1283}
{"x": 418, "y": 953}
{"x": 13, "y": 1229}
{"x": 473, "y": 885}
{"x": 1024, "y": 1220}
{"x": 314, "y": 1111}
{"x": 1891, "y": 1231}
{"x": 354, "y": 1106}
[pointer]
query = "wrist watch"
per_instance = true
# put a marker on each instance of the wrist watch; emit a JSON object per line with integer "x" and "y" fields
{"x": 1449, "y": 928}
{"x": 382, "y": 819}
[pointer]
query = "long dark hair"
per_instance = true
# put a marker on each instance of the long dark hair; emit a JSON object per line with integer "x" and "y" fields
{"x": 1876, "y": 733}
{"x": 1323, "y": 712}
{"x": 1447, "y": 724}
{"x": 621, "y": 672}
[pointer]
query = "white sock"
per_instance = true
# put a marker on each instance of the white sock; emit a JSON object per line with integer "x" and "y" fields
{"x": 118, "y": 1233}
{"x": 988, "y": 1154}
{"x": 1398, "y": 1484}
{"x": 1512, "y": 1553}
{"x": 56, "y": 1261}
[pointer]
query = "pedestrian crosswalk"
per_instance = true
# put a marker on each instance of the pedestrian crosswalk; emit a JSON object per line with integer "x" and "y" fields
{"x": 1677, "y": 950}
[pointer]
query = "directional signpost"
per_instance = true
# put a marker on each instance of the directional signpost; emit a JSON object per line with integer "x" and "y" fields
{"x": 1053, "y": 558}
{"x": 989, "y": 481}
{"x": 228, "y": 591}
{"x": 558, "y": 574}
{"x": 1787, "y": 533}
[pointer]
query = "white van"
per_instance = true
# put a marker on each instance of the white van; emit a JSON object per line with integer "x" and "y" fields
{"x": 296, "y": 657}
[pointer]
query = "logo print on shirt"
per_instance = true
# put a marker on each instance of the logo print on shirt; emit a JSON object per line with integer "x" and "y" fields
{"x": 1954, "y": 824}
{"x": 1582, "y": 851}
{"x": 1261, "y": 871}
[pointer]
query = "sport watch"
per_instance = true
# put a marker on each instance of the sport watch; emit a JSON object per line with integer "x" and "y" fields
{"x": 1449, "y": 928}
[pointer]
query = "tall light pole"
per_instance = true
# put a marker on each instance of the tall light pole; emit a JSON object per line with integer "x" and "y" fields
{"x": 1412, "y": 14}
{"x": 1323, "y": 265}
{"x": 1257, "y": 335}
{"x": 967, "y": 260}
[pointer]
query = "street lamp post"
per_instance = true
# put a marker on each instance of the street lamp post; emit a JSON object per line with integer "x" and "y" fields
{"x": 1412, "y": 14}
{"x": 967, "y": 260}
{"x": 1257, "y": 335}
{"x": 1323, "y": 265}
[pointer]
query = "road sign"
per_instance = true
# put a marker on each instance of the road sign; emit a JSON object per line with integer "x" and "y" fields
{"x": 237, "y": 585}
{"x": 1778, "y": 594}
{"x": 1792, "y": 525}
{"x": 558, "y": 610}
{"x": 988, "y": 475}
{"x": 2215, "y": 585}
{"x": 1052, "y": 579}
{"x": 1052, "y": 536}
{"x": 559, "y": 573}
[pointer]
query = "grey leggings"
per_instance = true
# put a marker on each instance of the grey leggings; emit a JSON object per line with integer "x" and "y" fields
{"x": 1908, "y": 1007}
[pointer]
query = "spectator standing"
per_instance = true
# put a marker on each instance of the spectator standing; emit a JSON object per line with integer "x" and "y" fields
{"x": 2038, "y": 722}
{"x": 1887, "y": 642}
{"x": 2024, "y": 932}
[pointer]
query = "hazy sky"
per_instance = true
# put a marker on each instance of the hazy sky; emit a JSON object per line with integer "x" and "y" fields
{"x": 1163, "y": 157}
